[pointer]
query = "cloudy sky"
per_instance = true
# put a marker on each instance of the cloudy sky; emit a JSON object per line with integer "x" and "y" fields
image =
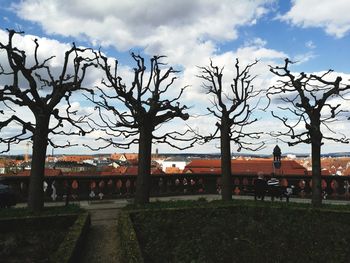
{"x": 314, "y": 33}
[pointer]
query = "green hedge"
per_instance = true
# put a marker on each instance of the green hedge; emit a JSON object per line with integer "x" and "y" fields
{"x": 129, "y": 247}
{"x": 35, "y": 222}
{"x": 47, "y": 211}
{"x": 66, "y": 226}
{"x": 72, "y": 244}
{"x": 235, "y": 232}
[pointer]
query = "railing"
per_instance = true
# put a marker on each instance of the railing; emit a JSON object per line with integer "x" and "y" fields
{"x": 57, "y": 188}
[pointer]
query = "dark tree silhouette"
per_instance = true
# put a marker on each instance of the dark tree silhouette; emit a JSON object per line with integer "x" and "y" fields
{"x": 307, "y": 98}
{"x": 232, "y": 108}
{"x": 32, "y": 84}
{"x": 147, "y": 107}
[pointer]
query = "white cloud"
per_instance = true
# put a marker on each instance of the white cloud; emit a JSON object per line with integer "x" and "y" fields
{"x": 332, "y": 16}
{"x": 304, "y": 57}
{"x": 186, "y": 31}
{"x": 255, "y": 42}
{"x": 175, "y": 28}
{"x": 310, "y": 44}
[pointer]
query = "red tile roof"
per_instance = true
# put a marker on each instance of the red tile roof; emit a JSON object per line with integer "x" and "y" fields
{"x": 121, "y": 170}
{"x": 81, "y": 173}
{"x": 173, "y": 170}
{"x": 48, "y": 172}
{"x": 75, "y": 158}
{"x": 128, "y": 156}
{"x": 324, "y": 172}
{"x": 132, "y": 170}
{"x": 107, "y": 173}
{"x": 246, "y": 166}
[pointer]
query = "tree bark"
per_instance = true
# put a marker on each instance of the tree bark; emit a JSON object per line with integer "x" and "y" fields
{"x": 144, "y": 166}
{"x": 316, "y": 142}
{"x": 316, "y": 174}
{"x": 226, "y": 175}
{"x": 35, "y": 192}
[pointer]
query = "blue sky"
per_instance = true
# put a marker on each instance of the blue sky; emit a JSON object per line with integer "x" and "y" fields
{"x": 315, "y": 33}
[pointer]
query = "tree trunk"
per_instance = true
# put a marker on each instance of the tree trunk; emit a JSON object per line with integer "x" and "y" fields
{"x": 316, "y": 174}
{"x": 225, "y": 146}
{"x": 35, "y": 192}
{"x": 144, "y": 166}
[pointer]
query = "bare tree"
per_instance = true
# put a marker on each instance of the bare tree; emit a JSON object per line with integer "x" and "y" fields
{"x": 310, "y": 110}
{"x": 33, "y": 85}
{"x": 233, "y": 110}
{"x": 146, "y": 107}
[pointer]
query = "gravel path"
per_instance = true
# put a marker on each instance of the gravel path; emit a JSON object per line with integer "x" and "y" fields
{"x": 101, "y": 244}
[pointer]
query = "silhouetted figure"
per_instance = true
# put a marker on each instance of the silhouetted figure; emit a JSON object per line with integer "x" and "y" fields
{"x": 288, "y": 191}
{"x": 274, "y": 188}
{"x": 260, "y": 188}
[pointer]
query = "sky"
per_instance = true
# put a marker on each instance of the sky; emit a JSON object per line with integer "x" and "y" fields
{"x": 313, "y": 33}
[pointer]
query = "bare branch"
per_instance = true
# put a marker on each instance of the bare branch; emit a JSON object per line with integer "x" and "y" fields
{"x": 41, "y": 90}
{"x": 144, "y": 106}
{"x": 236, "y": 113}
{"x": 306, "y": 97}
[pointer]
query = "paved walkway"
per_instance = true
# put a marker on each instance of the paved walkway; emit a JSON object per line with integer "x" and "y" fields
{"x": 101, "y": 244}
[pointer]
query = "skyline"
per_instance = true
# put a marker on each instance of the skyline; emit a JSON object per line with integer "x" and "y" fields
{"x": 313, "y": 33}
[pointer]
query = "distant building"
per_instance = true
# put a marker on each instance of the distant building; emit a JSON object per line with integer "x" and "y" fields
{"x": 66, "y": 166}
{"x": 12, "y": 166}
{"x": 124, "y": 156}
{"x": 172, "y": 165}
{"x": 172, "y": 170}
{"x": 246, "y": 166}
{"x": 2, "y": 168}
{"x": 101, "y": 164}
{"x": 74, "y": 158}
{"x": 132, "y": 170}
{"x": 336, "y": 166}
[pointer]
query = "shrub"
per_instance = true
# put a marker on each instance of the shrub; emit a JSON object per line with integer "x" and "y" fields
{"x": 128, "y": 243}
{"x": 240, "y": 232}
{"x": 54, "y": 235}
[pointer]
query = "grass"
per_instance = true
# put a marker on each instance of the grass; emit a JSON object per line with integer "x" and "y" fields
{"x": 241, "y": 231}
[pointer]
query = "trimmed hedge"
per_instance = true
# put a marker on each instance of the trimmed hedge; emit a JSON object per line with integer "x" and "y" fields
{"x": 128, "y": 243}
{"x": 70, "y": 248}
{"x": 36, "y": 222}
{"x": 235, "y": 232}
{"x": 66, "y": 226}
{"x": 47, "y": 211}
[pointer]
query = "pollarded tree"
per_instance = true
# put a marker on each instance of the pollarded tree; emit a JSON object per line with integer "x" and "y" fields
{"x": 233, "y": 110}
{"x": 309, "y": 100}
{"x": 138, "y": 110}
{"x": 33, "y": 84}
